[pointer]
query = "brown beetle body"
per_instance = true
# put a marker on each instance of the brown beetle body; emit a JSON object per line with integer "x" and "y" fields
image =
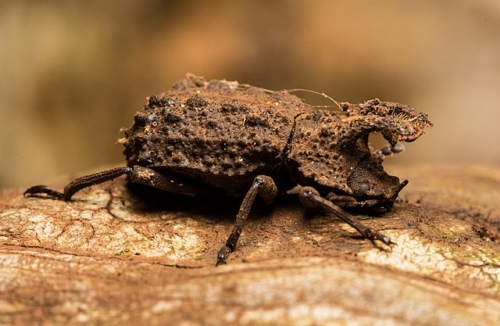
{"x": 202, "y": 136}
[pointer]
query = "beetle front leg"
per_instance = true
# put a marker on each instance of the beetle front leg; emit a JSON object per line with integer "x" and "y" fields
{"x": 310, "y": 198}
{"x": 263, "y": 186}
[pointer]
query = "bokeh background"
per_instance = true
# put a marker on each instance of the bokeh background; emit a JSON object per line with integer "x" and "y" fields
{"x": 74, "y": 72}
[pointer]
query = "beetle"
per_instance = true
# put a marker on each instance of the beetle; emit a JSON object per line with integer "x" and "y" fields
{"x": 206, "y": 135}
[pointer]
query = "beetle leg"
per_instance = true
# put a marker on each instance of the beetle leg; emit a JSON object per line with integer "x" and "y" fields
{"x": 263, "y": 186}
{"x": 78, "y": 184}
{"x": 334, "y": 198}
{"x": 137, "y": 174}
{"x": 166, "y": 181}
{"x": 310, "y": 198}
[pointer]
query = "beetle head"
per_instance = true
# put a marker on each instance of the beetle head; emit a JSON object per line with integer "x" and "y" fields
{"x": 396, "y": 122}
{"x": 330, "y": 151}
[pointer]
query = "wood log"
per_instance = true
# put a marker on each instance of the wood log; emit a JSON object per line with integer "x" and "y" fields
{"x": 130, "y": 255}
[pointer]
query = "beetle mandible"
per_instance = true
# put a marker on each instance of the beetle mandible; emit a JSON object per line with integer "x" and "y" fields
{"x": 249, "y": 142}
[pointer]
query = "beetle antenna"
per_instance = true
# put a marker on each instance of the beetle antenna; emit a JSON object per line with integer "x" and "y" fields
{"x": 317, "y": 93}
{"x": 245, "y": 86}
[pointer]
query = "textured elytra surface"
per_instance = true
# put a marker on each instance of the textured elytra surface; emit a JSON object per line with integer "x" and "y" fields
{"x": 217, "y": 132}
{"x": 224, "y": 134}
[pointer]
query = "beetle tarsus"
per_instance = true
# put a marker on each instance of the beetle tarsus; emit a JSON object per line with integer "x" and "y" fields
{"x": 373, "y": 236}
{"x": 387, "y": 240}
{"x": 222, "y": 255}
{"x": 38, "y": 190}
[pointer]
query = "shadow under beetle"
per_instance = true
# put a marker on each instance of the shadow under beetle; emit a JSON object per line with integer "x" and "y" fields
{"x": 249, "y": 141}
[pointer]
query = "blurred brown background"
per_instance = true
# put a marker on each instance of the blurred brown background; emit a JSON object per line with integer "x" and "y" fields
{"x": 73, "y": 73}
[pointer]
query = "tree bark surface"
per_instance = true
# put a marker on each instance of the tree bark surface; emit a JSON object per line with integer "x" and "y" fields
{"x": 122, "y": 255}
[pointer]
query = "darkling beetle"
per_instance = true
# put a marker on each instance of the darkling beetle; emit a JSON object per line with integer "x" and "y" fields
{"x": 248, "y": 141}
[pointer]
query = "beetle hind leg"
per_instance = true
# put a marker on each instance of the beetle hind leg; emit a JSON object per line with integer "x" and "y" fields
{"x": 310, "y": 198}
{"x": 77, "y": 184}
{"x": 138, "y": 174}
{"x": 263, "y": 186}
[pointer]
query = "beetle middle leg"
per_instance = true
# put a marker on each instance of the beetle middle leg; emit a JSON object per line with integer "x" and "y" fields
{"x": 263, "y": 186}
{"x": 310, "y": 198}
